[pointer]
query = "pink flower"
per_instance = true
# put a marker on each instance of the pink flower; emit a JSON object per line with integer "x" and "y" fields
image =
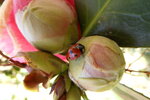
{"x": 12, "y": 41}
{"x": 11, "y": 38}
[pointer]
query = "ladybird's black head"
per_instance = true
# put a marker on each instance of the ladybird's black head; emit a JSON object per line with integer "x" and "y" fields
{"x": 81, "y": 48}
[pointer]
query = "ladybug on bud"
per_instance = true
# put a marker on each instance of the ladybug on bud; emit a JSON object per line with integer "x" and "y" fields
{"x": 75, "y": 51}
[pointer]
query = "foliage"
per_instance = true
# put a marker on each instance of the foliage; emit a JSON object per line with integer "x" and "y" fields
{"x": 124, "y": 21}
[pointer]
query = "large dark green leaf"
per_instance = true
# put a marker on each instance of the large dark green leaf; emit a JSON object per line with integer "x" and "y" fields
{"x": 125, "y": 21}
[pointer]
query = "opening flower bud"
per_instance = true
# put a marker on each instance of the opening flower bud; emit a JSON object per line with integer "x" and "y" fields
{"x": 50, "y": 25}
{"x": 101, "y": 65}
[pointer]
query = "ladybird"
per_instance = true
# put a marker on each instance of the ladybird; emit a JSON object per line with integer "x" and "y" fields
{"x": 75, "y": 51}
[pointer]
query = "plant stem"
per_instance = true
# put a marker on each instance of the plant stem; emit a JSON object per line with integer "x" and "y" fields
{"x": 13, "y": 62}
{"x": 84, "y": 96}
{"x": 146, "y": 72}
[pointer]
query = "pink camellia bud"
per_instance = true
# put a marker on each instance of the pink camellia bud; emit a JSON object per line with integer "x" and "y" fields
{"x": 12, "y": 13}
{"x": 100, "y": 65}
{"x": 49, "y": 25}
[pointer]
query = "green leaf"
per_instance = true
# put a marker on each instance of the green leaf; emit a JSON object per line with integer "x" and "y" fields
{"x": 74, "y": 93}
{"x": 44, "y": 61}
{"x": 125, "y": 21}
{"x": 127, "y": 93}
{"x": 67, "y": 81}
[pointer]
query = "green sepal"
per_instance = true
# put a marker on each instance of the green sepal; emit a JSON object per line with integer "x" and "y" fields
{"x": 67, "y": 81}
{"x": 74, "y": 93}
{"x": 44, "y": 61}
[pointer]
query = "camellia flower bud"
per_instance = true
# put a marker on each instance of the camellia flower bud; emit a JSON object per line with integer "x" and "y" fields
{"x": 50, "y": 25}
{"x": 99, "y": 66}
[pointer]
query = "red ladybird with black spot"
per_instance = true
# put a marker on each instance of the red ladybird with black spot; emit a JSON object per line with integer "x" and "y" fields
{"x": 75, "y": 51}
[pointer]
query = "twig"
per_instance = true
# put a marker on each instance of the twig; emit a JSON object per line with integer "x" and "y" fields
{"x": 138, "y": 58}
{"x": 146, "y": 72}
{"x": 83, "y": 94}
{"x": 9, "y": 64}
{"x": 13, "y": 62}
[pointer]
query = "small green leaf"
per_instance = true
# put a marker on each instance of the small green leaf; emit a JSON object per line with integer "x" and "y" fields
{"x": 67, "y": 81}
{"x": 45, "y": 62}
{"x": 74, "y": 93}
{"x": 84, "y": 96}
{"x": 125, "y": 21}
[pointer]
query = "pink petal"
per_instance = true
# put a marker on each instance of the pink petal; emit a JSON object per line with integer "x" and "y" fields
{"x": 20, "y": 43}
{"x": 71, "y": 2}
{"x": 20, "y": 4}
{"x": 6, "y": 43}
{"x": 13, "y": 41}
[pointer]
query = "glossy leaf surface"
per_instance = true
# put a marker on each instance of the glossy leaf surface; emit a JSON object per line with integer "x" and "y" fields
{"x": 125, "y": 21}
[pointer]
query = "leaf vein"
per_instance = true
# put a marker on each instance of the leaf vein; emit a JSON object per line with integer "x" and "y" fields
{"x": 95, "y": 19}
